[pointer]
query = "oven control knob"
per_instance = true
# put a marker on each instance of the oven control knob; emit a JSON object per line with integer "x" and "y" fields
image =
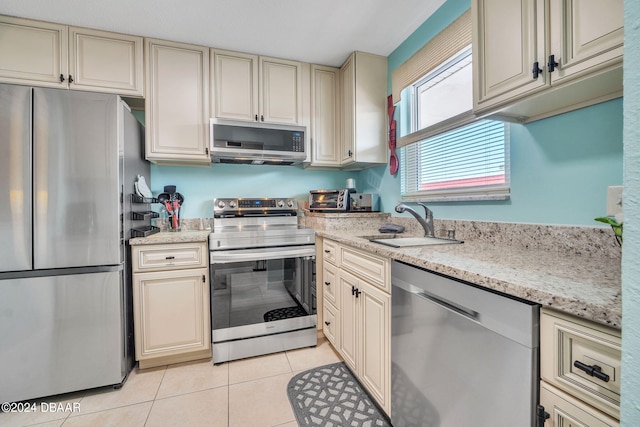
{"x": 221, "y": 204}
{"x": 232, "y": 204}
{"x": 280, "y": 204}
{"x": 290, "y": 203}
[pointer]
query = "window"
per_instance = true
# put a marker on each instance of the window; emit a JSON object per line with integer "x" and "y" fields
{"x": 449, "y": 154}
{"x": 469, "y": 163}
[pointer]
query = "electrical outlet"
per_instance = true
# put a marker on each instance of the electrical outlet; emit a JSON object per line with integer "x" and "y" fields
{"x": 614, "y": 200}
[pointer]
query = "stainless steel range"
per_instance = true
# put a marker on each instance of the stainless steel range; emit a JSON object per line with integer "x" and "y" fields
{"x": 263, "y": 293}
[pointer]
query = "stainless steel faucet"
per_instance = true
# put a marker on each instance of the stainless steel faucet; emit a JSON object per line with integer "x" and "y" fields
{"x": 426, "y": 222}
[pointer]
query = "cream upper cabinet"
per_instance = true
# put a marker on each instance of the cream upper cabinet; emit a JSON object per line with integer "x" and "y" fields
{"x": 526, "y": 52}
{"x": 280, "y": 91}
{"x": 585, "y": 35}
{"x": 255, "y": 88}
{"x": 171, "y": 303}
{"x": 325, "y": 116}
{"x": 111, "y": 62}
{"x": 235, "y": 85}
{"x": 177, "y": 103}
{"x": 363, "y": 110}
{"x": 508, "y": 39}
{"x": 46, "y": 54}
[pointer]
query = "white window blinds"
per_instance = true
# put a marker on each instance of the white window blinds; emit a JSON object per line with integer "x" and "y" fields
{"x": 468, "y": 163}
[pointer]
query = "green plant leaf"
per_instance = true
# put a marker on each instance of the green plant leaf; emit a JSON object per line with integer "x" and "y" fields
{"x": 608, "y": 220}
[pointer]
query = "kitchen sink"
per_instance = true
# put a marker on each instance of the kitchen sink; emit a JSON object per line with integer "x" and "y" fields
{"x": 397, "y": 241}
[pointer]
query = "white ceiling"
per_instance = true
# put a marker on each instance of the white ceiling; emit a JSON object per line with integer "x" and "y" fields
{"x": 321, "y": 32}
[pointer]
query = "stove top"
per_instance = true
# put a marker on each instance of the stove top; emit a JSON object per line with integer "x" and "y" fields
{"x": 259, "y": 222}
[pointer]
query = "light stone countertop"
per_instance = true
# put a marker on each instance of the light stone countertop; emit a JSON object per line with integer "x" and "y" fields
{"x": 584, "y": 285}
{"x": 166, "y": 237}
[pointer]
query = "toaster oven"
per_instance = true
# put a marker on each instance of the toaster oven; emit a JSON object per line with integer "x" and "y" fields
{"x": 329, "y": 200}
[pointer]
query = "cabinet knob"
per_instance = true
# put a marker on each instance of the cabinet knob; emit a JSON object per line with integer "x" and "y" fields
{"x": 552, "y": 64}
{"x": 327, "y": 323}
{"x": 262, "y": 118}
{"x": 256, "y": 117}
{"x": 326, "y": 251}
{"x": 327, "y": 283}
{"x": 350, "y": 153}
{"x": 70, "y": 78}
{"x": 61, "y": 78}
{"x": 536, "y": 70}
{"x": 169, "y": 257}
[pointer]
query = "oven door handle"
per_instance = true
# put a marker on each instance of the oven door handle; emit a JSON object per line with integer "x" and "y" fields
{"x": 258, "y": 254}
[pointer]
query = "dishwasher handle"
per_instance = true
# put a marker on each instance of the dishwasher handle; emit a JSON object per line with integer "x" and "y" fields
{"x": 435, "y": 299}
{"x": 451, "y": 306}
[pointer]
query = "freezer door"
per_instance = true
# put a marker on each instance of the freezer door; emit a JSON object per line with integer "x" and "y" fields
{"x": 60, "y": 334}
{"x": 76, "y": 179}
{"x": 15, "y": 178}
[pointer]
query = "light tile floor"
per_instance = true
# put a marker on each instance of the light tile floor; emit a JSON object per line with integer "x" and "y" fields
{"x": 242, "y": 393}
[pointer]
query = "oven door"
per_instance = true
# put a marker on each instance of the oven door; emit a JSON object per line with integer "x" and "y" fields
{"x": 262, "y": 291}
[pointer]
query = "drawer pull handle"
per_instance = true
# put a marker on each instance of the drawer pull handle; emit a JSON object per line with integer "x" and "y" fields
{"x": 327, "y": 323}
{"x": 170, "y": 257}
{"x": 327, "y": 283}
{"x": 594, "y": 371}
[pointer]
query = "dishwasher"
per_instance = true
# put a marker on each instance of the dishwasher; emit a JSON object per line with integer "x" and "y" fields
{"x": 460, "y": 355}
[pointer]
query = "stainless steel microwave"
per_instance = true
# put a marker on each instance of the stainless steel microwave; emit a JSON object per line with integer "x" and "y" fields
{"x": 256, "y": 143}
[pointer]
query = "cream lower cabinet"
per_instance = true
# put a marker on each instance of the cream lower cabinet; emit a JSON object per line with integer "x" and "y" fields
{"x": 357, "y": 315}
{"x": 526, "y": 52}
{"x": 177, "y": 103}
{"x": 171, "y": 303}
{"x": 580, "y": 368}
{"x": 47, "y": 54}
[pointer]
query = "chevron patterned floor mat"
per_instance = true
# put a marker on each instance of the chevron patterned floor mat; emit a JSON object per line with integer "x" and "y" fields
{"x": 330, "y": 396}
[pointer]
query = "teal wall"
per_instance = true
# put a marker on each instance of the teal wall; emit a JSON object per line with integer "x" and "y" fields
{"x": 560, "y": 167}
{"x": 630, "y": 406}
{"x": 200, "y": 185}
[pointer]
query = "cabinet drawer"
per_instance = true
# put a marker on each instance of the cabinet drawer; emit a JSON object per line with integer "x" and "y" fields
{"x": 565, "y": 410}
{"x": 330, "y": 323}
{"x": 330, "y": 284}
{"x": 169, "y": 257}
{"x": 581, "y": 358}
{"x": 330, "y": 251}
{"x": 372, "y": 268}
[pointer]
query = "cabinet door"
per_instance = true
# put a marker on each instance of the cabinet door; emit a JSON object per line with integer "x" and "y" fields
{"x": 331, "y": 327}
{"x": 177, "y": 107}
{"x": 330, "y": 283}
{"x": 33, "y": 52}
{"x": 280, "y": 91}
{"x": 325, "y": 113}
{"x": 235, "y": 85}
{"x": 374, "y": 365}
{"x": 171, "y": 309}
{"x": 567, "y": 411}
{"x": 585, "y": 35}
{"x": 348, "y": 319}
{"x": 105, "y": 62}
{"x": 347, "y": 104}
{"x": 508, "y": 38}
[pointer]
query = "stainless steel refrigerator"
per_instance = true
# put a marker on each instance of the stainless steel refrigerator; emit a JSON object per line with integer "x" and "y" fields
{"x": 68, "y": 161}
